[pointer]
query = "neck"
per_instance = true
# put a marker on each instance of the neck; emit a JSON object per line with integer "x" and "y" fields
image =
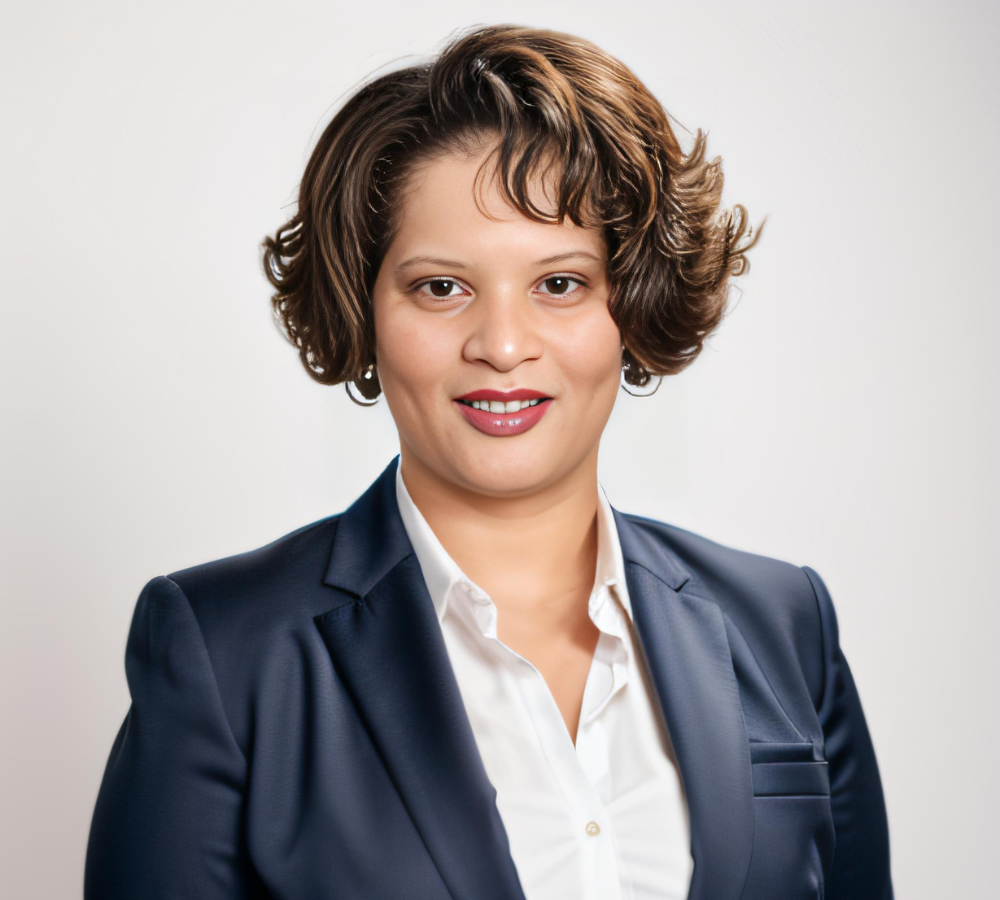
{"x": 533, "y": 553}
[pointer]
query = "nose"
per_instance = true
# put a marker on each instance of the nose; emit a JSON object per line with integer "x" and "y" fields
{"x": 503, "y": 331}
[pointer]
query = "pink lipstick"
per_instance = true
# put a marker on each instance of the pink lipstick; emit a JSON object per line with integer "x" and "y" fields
{"x": 489, "y": 420}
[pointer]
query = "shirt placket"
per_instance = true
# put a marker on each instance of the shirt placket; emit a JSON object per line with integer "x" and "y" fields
{"x": 579, "y": 769}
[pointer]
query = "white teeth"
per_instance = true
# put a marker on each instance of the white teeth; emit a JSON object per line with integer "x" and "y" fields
{"x": 498, "y": 406}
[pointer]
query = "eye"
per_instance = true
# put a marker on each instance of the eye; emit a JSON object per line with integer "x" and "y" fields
{"x": 559, "y": 285}
{"x": 440, "y": 288}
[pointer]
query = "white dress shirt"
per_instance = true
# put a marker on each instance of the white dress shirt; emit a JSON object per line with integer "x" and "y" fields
{"x": 605, "y": 819}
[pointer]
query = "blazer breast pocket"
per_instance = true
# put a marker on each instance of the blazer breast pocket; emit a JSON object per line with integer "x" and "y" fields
{"x": 793, "y": 833}
{"x": 783, "y": 770}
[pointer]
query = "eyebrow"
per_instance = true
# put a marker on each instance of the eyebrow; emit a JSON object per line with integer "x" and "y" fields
{"x": 455, "y": 264}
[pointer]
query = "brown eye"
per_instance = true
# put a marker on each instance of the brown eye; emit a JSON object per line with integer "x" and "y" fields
{"x": 559, "y": 285}
{"x": 439, "y": 287}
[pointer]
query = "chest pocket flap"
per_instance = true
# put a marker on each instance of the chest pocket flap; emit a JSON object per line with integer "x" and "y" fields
{"x": 782, "y": 769}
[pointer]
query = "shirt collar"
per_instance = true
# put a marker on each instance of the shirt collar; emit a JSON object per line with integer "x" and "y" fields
{"x": 441, "y": 572}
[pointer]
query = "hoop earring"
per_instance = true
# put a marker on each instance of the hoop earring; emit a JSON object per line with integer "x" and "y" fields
{"x": 367, "y": 382}
{"x": 626, "y": 367}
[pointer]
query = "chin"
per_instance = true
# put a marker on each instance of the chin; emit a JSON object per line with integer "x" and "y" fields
{"x": 497, "y": 471}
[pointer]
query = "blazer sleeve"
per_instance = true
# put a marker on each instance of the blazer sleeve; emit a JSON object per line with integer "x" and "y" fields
{"x": 168, "y": 818}
{"x": 860, "y": 868}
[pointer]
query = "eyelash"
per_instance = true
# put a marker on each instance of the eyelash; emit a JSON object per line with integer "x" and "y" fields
{"x": 417, "y": 287}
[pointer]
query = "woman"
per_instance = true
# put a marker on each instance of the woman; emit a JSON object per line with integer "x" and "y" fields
{"x": 481, "y": 680}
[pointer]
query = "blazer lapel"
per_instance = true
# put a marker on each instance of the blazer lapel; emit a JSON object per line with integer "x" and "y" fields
{"x": 387, "y": 647}
{"x": 684, "y": 639}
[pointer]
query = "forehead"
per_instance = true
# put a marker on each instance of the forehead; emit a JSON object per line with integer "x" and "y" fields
{"x": 444, "y": 200}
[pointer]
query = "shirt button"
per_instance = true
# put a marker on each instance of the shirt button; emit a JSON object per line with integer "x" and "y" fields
{"x": 593, "y": 829}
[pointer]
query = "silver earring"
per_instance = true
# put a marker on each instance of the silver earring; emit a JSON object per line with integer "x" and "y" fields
{"x": 626, "y": 367}
{"x": 364, "y": 385}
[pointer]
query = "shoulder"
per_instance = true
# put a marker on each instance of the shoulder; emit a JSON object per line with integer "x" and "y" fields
{"x": 261, "y": 585}
{"x": 735, "y": 574}
{"x": 778, "y": 606}
{"x": 250, "y": 613}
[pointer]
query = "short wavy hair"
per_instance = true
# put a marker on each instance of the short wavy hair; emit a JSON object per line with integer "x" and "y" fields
{"x": 536, "y": 97}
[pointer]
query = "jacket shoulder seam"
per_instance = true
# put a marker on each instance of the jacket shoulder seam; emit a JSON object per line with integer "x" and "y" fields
{"x": 818, "y": 701}
{"x": 211, "y": 667}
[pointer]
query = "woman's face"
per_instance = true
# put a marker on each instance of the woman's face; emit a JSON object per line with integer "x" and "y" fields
{"x": 465, "y": 303}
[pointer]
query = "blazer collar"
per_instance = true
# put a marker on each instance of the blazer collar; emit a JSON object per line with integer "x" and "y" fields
{"x": 370, "y": 539}
{"x": 373, "y": 523}
{"x": 386, "y": 645}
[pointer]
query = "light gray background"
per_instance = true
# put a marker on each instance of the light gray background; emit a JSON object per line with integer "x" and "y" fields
{"x": 845, "y": 416}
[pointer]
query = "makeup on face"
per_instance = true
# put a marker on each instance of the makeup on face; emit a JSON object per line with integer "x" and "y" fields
{"x": 493, "y": 325}
{"x": 503, "y": 413}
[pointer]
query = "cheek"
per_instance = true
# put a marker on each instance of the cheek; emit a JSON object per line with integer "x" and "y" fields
{"x": 411, "y": 358}
{"x": 591, "y": 353}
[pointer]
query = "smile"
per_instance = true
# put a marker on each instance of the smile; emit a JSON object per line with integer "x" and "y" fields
{"x": 499, "y": 406}
{"x": 499, "y": 418}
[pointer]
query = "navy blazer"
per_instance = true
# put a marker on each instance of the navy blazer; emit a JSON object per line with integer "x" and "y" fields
{"x": 296, "y": 730}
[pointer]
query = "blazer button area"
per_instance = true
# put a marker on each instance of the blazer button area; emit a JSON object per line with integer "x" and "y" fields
{"x": 593, "y": 829}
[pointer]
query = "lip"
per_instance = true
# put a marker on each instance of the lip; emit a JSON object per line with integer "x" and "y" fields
{"x": 504, "y": 424}
{"x": 519, "y": 394}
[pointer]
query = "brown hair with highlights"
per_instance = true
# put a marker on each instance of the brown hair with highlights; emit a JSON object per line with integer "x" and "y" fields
{"x": 540, "y": 97}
